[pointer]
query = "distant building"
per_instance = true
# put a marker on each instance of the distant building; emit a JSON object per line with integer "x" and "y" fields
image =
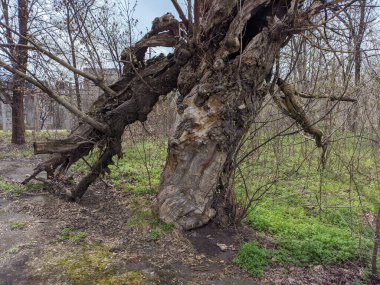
{"x": 90, "y": 92}
{"x": 41, "y": 112}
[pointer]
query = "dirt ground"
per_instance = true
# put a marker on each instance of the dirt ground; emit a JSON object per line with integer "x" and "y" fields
{"x": 119, "y": 247}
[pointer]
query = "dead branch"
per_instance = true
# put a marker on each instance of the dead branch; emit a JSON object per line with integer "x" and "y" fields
{"x": 189, "y": 15}
{"x": 289, "y": 105}
{"x": 18, "y": 46}
{"x": 181, "y": 13}
{"x": 133, "y": 102}
{"x": 331, "y": 98}
{"x": 293, "y": 90}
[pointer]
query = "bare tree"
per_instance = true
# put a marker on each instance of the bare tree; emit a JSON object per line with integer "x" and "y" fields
{"x": 357, "y": 23}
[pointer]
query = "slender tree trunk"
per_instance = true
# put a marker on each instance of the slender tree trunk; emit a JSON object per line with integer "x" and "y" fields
{"x": 18, "y": 118}
{"x": 358, "y": 40}
{"x": 69, "y": 20}
{"x": 77, "y": 92}
{"x": 18, "y": 121}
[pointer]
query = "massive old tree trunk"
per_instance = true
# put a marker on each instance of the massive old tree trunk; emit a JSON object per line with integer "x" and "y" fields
{"x": 219, "y": 66}
{"x": 222, "y": 91}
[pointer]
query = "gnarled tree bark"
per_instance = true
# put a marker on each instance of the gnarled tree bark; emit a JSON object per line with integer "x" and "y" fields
{"x": 222, "y": 94}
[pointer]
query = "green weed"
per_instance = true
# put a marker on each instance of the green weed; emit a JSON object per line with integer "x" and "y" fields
{"x": 31, "y": 135}
{"x": 315, "y": 216}
{"x": 18, "y": 226}
{"x": 253, "y": 259}
{"x": 14, "y": 250}
{"x": 141, "y": 216}
{"x": 166, "y": 227}
{"x": 154, "y": 234}
{"x": 11, "y": 188}
{"x": 35, "y": 187}
{"x": 68, "y": 234}
{"x": 16, "y": 190}
{"x": 27, "y": 152}
{"x": 303, "y": 240}
{"x": 139, "y": 169}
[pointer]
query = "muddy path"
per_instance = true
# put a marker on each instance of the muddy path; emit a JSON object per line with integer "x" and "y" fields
{"x": 112, "y": 237}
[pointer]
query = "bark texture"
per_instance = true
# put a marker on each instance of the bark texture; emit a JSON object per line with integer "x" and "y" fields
{"x": 222, "y": 89}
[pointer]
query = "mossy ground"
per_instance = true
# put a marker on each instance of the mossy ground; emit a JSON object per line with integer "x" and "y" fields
{"x": 95, "y": 264}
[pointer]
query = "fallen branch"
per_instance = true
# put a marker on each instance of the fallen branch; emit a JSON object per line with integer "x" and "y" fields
{"x": 331, "y": 98}
{"x": 133, "y": 103}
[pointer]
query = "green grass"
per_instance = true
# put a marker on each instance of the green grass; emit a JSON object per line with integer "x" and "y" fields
{"x": 18, "y": 226}
{"x": 143, "y": 218}
{"x": 14, "y": 250}
{"x": 310, "y": 214}
{"x": 15, "y": 189}
{"x": 69, "y": 234}
{"x": 303, "y": 240}
{"x": 253, "y": 259}
{"x": 138, "y": 171}
{"x": 314, "y": 216}
{"x": 166, "y": 227}
{"x": 154, "y": 234}
{"x": 30, "y": 136}
{"x": 11, "y": 188}
{"x": 6, "y": 186}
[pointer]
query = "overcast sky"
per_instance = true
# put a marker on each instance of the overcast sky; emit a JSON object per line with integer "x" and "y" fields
{"x": 147, "y": 10}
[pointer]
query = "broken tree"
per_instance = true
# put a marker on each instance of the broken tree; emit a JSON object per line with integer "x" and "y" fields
{"x": 223, "y": 56}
